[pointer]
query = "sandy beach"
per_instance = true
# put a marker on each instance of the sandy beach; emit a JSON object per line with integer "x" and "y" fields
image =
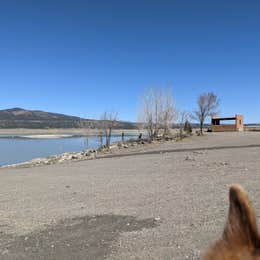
{"x": 159, "y": 201}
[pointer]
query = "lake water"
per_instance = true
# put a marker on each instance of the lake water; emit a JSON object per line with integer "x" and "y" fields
{"x": 17, "y": 149}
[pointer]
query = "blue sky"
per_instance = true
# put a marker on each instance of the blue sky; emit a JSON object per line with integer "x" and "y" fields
{"x": 84, "y": 57}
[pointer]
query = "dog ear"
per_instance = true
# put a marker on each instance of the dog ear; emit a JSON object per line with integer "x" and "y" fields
{"x": 241, "y": 228}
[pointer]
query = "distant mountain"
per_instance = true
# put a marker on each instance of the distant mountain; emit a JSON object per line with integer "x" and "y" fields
{"x": 23, "y": 118}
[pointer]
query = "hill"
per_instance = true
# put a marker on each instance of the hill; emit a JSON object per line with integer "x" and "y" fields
{"x": 23, "y": 118}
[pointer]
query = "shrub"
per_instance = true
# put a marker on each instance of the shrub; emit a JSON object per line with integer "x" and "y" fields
{"x": 187, "y": 127}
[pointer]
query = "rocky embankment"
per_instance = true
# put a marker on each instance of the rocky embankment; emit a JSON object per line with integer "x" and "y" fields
{"x": 78, "y": 156}
{"x": 115, "y": 148}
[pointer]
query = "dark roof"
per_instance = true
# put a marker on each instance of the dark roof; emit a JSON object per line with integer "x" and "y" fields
{"x": 224, "y": 118}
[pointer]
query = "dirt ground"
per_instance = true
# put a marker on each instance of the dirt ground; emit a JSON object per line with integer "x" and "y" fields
{"x": 169, "y": 202}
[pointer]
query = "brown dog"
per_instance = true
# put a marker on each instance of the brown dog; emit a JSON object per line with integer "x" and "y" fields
{"x": 240, "y": 239}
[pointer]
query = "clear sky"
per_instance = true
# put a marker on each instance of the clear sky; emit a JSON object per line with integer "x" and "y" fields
{"x": 84, "y": 57}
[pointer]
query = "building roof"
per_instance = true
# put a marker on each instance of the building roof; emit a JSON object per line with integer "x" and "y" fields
{"x": 227, "y": 118}
{"x": 224, "y": 118}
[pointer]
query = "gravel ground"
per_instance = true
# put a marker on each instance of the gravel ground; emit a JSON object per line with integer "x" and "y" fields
{"x": 167, "y": 205}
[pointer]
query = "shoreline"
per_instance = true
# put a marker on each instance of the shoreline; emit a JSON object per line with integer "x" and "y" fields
{"x": 58, "y": 157}
{"x": 67, "y": 157}
{"x": 117, "y": 148}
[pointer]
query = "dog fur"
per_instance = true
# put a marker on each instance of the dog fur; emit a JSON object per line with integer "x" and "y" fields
{"x": 240, "y": 239}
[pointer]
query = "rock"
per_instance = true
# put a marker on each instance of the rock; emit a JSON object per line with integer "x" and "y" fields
{"x": 189, "y": 158}
{"x": 199, "y": 152}
{"x": 114, "y": 146}
{"x": 5, "y": 252}
{"x": 93, "y": 155}
{"x": 85, "y": 153}
{"x": 224, "y": 163}
{"x": 61, "y": 160}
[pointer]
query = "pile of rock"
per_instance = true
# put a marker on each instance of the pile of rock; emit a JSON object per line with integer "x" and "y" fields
{"x": 73, "y": 156}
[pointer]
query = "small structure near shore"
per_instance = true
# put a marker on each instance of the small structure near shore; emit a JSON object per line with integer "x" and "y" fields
{"x": 216, "y": 125}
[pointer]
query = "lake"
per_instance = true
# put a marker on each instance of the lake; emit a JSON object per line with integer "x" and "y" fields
{"x": 21, "y": 148}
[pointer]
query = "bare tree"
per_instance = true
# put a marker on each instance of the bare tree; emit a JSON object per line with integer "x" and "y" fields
{"x": 207, "y": 105}
{"x": 168, "y": 110}
{"x": 100, "y": 138}
{"x": 183, "y": 116}
{"x": 157, "y": 110}
{"x": 149, "y": 111}
{"x": 108, "y": 121}
{"x": 86, "y": 126}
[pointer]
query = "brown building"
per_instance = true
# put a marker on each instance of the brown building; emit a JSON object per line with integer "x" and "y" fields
{"x": 238, "y": 125}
